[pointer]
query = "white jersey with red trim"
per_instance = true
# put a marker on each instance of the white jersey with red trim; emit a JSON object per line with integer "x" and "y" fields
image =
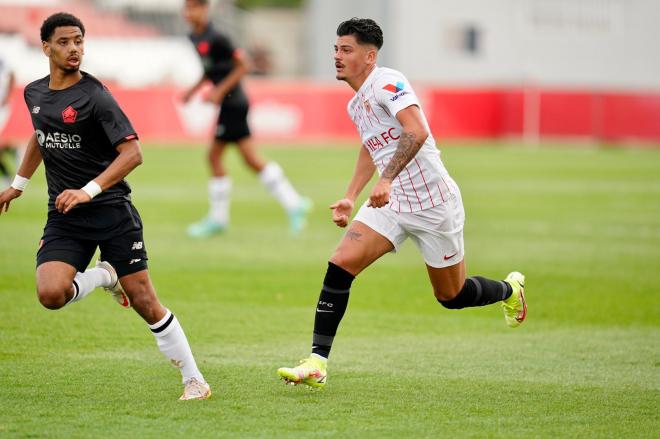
{"x": 423, "y": 183}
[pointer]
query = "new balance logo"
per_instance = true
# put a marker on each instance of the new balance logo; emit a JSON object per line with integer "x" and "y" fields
{"x": 133, "y": 261}
{"x": 137, "y": 245}
{"x": 35, "y": 110}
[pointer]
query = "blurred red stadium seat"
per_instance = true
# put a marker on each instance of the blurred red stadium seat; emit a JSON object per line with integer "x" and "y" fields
{"x": 26, "y": 21}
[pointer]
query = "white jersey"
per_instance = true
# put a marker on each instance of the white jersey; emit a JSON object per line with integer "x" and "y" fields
{"x": 424, "y": 182}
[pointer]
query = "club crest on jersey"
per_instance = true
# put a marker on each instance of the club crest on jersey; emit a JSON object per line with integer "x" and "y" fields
{"x": 69, "y": 115}
{"x": 203, "y": 47}
{"x": 394, "y": 88}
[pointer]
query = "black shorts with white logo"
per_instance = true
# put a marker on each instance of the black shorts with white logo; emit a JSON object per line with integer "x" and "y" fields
{"x": 233, "y": 122}
{"x": 115, "y": 228}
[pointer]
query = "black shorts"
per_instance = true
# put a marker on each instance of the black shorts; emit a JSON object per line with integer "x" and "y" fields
{"x": 232, "y": 122}
{"x": 115, "y": 228}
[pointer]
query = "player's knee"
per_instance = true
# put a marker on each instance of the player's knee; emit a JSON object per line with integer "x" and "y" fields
{"x": 52, "y": 296}
{"x": 443, "y": 295}
{"x": 144, "y": 300}
{"x": 213, "y": 155}
{"x": 446, "y": 298}
{"x": 253, "y": 163}
{"x": 256, "y": 166}
{"x": 341, "y": 260}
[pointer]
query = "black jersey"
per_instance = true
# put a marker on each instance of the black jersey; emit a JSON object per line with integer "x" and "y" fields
{"x": 78, "y": 130}
{"x": 217, "y": 53}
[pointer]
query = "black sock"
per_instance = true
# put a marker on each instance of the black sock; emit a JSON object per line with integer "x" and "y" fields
{"x": 330, "y": 308}
{"x": 479, "y": 291}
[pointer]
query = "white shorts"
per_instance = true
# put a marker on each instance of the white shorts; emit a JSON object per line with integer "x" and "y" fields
{"x": 437, "y": 232}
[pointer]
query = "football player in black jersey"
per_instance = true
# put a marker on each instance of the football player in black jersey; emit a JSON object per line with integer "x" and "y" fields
{"x": 88, "y": 146}
{"x": 224, "y": 66}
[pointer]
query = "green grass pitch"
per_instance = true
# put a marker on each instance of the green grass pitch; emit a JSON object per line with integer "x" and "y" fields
{"x": 582, "y": 223}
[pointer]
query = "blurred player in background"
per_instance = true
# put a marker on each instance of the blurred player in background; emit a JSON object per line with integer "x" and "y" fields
{"x": 224, "y": 66}
{"x": 6, "y": 86}
{"x": 414, "y": 197}
{"x": 88, "y": 146}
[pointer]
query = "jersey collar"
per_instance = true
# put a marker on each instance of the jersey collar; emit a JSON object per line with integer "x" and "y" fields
{"x": 368, "y": 81}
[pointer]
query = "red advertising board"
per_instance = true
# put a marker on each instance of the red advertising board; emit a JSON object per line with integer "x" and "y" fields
{"x": 297, "y": 111}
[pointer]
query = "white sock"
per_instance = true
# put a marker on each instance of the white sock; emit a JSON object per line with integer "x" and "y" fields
{"x": 85, "y": 283}
{"x": 219, "y": 193}
{"x": 173, "y": 343}
{"x": 279, "y": 186}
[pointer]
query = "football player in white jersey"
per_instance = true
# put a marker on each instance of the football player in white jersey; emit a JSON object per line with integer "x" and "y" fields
{"x": 414, "y": 197}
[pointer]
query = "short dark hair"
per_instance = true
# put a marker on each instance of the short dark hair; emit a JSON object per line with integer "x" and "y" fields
{"x": 59, "y": 19}
{"x": 366, "y": 31}
{"x": 199, "y": 2}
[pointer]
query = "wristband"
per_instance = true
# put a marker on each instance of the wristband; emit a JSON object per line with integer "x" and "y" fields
{"x": 92, "y": 189}
{"x": 20, "y": 183}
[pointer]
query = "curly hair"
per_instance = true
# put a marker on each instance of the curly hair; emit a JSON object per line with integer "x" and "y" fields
{"x": 58, "y": 20}
{"x": 365, "y": 30}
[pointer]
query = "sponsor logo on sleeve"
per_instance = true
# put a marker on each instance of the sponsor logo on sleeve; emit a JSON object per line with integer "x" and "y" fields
{"x": 394, "y": 88}
{"x": 397, "y": 89}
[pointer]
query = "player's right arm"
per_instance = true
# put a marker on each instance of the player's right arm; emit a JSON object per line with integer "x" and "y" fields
{"x": 364, "y": 170}
{"x": 192, "y": 90}
{"x": 30, "y": 163}
{"x": 241, "y": 68}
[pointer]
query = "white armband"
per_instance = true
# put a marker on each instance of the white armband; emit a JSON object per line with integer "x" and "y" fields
{"x": 20, "y": 183}
{"x": 92, "y": 189}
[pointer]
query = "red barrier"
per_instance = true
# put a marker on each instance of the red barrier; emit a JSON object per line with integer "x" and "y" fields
{"x": 307, "y": 111}
{"x": 630, "y": 115}
{"x": 568, "y": 113}
{"x": 464, "y": 113}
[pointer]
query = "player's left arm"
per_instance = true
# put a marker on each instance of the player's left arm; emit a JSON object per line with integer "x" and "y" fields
{"x": 241, "y": 68}
{"x": 130, "y": 157}
{"x": 413, "y": 136}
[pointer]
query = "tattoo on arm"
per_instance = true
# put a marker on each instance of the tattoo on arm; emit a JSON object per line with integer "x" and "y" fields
{"x": 405, "y": 151}
{"x": 353, "y": 236}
